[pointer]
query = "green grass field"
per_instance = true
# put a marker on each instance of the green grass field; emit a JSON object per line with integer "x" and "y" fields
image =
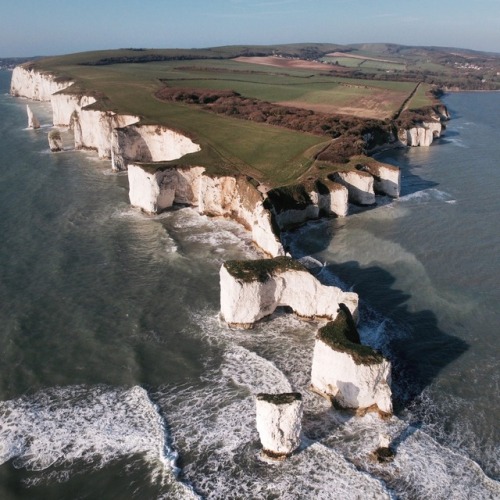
{"x": 271, "y": 154}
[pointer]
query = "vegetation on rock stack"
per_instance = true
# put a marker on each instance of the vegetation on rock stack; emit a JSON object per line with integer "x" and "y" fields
{"x": 262, "y": 269}
{"x": 341, "y": 335}
{"x": 280, "y": 399}
{"x": 291, "y": 197}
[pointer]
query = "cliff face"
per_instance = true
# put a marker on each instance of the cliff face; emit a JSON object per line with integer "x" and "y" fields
{"x": 148, "y": 143}
{"x": 245, "y": 301}
{"x": 92, "y": 129}
{"x": 224, "y": 196}
{"x": 294, "y": 205}
{"x": 421, "y": 135}
{"x": 35, "y": 85}
{"x": 351, "y": 384}
{"x": 112, "y": 135}
{"x": 124, "y": 140}
{"x": 64, "y": 105}
{"x": 386, "y": 178}
{"x": 359, "y": 186}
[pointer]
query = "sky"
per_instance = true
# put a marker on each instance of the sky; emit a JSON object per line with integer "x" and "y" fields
{"x": 48, "y": 27}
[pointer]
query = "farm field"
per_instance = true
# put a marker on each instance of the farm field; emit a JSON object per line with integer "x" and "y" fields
{"x": 127, "y": 81}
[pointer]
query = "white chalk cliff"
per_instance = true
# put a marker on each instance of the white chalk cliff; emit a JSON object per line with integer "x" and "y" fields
{"x": 386, "y": 178}
{"x": 34, "y": 84}
{"x": 92, "y": 129}
{"x": 421, "y": 135}
{"x": 156, "y": 189}
{"x": 148, "y": 143}
{"x": 359, "y": 186}
{"x": 333, "y": 200}
{"x": 352, "y": 375}
{"x": 104, "y": 131}
{"x": 252, "y": 290}
{"x": 279, "y": 423}
{"x": 294, "y": 205}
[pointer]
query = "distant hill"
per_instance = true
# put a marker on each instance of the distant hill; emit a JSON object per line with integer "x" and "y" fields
{"x": 444, "y": 67}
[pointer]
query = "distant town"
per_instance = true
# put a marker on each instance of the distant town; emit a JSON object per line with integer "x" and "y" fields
{"x": 7, "y": 63}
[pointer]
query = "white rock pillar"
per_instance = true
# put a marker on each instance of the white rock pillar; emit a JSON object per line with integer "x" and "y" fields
{"x": 32, "y": 119}
{"x": 279, "y": 423}
{"x": 352, "y": 375}
{"x": 55, "y": 140}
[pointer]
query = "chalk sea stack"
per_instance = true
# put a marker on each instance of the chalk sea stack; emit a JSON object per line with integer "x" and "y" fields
{"x": 352, "y": 375}
{"x": 32, "y": 119}
{"x": 279, "y": 418}
{"x": 253, "y": 289}
{"x": 55, "y": 141}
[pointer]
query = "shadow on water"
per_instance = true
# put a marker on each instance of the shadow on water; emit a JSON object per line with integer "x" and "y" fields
{"x": 417, "y": 348}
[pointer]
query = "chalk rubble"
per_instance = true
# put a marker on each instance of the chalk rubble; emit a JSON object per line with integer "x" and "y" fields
{"x": 279, "y": 423}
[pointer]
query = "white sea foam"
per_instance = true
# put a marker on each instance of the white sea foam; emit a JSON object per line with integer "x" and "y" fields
{"x": 114, "y": 173}
{"x": 426, "y": 196}
{"x": 65, "y": 429}
{"x": 214, "y": 427}
{"x": 246, "y": 369}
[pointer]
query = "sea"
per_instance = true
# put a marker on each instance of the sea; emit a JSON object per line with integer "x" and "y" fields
{"x": 119, "y": 381}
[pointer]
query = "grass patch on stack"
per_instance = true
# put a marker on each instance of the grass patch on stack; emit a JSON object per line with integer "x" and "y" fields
{"x": 261, "y": 270}
{"x": 339, "y": 336}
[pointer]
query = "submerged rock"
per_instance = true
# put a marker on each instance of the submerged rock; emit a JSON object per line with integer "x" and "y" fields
{"x": 352, "y": 375}
{"x": 253, "y": 289}
{"x": 279, "y": 423}
{"x": 32, "y": 119}
{"x": 384, "y": 453}
{"x": 55, "y": 141}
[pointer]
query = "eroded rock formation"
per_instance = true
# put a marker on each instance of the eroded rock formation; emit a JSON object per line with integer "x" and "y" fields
{"x": 293, "y": 205}
{"x": 148, "y": 143}
{"x": 351, "y": 374}
{"x": 253, "y": 289}
{"x": 33, "y": 84}
{"x": 156, "y": 189}
{"x": 421, "y": 135}
{"x": 359, "y": 186}
{"x": 386, "y": 178}
{"x": 55, "y": 140}
{"x": 279, "y": 423}
{"x": 32, "y": 119}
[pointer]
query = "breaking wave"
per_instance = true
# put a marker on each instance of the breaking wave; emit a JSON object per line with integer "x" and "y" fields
{"x": 66, "y": 430}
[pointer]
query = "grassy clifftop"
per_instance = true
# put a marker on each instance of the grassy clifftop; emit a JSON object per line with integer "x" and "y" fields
{"x": 278, "y": 146}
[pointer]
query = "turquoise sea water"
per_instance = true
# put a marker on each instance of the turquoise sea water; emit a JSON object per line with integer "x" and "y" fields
{"x": 117, "y": 379}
